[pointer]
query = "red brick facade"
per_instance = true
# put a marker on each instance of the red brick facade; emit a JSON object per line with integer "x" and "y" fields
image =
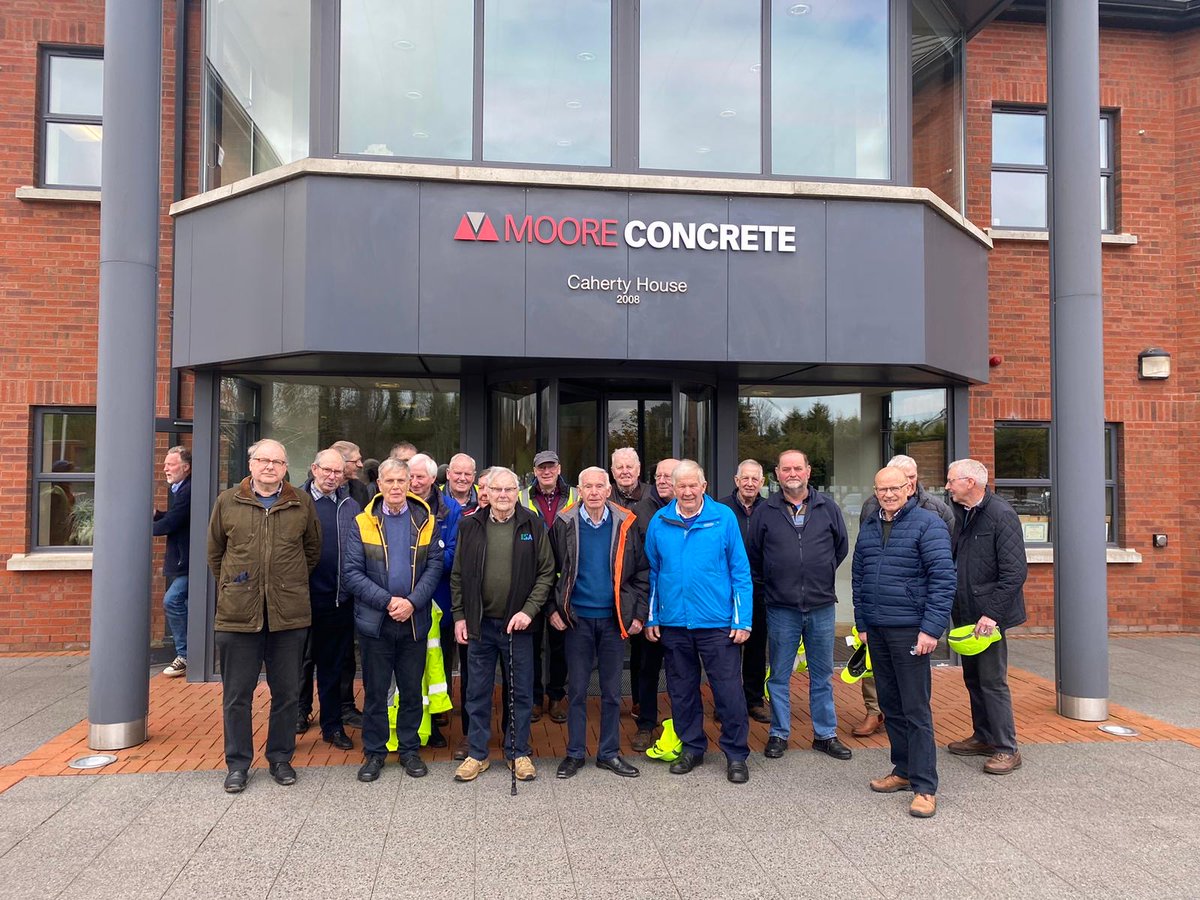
{"x": 49, "y": 287}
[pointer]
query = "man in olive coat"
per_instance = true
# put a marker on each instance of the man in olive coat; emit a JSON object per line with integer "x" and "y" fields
{"x": 264, "y": 539}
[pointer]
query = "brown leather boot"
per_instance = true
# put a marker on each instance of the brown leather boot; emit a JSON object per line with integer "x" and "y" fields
{"x": 869, "y": 725}
{"x": 1003, "y": 763}
{"x": 643, "y": 740}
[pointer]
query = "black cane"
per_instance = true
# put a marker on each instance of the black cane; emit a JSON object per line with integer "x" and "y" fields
{"x": 512, "y": 714}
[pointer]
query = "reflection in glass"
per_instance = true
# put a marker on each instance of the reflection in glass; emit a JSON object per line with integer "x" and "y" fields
{"x": 76, "y": 86}
{"x": 644, "y": 426}
{"x": 695, "y": 428}
{"x": 937, "y": 72}
{"x": 546, "y": 74}
{"x": 1019, "y": 139}
{"x": 1019, "y": 200}
{"x": 406, "y": 78}
{"x": 73, "y": 153}
{"x": 66, "y": 514}
{"x": 258, "y": 69}
{"x": 918, "y": 424}
{"x": 700, "y": 86}
{"x": 577, "y": 434}
{"x": 515, "y": 421}
{"x": 1032, "y": 506}
{"x": 829, "y": 88}
{"x": 1023, "y": 452}
{"x": 68, "y": 442}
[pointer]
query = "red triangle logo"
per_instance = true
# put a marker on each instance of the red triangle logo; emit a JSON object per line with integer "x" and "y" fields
{"x": 475, "y": 226}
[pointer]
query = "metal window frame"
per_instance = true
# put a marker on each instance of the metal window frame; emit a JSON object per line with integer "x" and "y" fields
{"x": 38, "y": 477}
{"x": 46, "y": 54}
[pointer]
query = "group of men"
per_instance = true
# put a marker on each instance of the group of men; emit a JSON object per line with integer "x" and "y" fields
{"x": 500, "y": 572}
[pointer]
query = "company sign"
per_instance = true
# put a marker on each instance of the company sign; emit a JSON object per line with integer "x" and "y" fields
{"x": 573, "y": 231}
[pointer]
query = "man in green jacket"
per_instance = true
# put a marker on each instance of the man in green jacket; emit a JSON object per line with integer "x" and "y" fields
{"x": 264, "y": 540}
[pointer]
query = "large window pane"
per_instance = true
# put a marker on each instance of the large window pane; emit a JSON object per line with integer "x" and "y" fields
{"x": 517, "y": 411}
{"x": 829, "y": 88}
{"x": 68, "y": 442}
{"x": 700, "y": 86}
{"x": 406, "y": 79}
{"x": 1019, "y": 139}
{"x": 937, "y": 74}
{"x": 546, "y": 82}
{"x": 73, "y": 153}
{"x": 64, "y": 484}
{"x": 918, "y": 425}
{"x": 1023, "y": 452}
{"x": 1019, "y": 200}
{"x": 76, "y": 85}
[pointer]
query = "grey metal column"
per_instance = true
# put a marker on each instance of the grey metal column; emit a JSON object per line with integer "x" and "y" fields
{"x": 1077, "y": 361}
{"x": 202, "y": 590}
{"x": 119, "y": 696}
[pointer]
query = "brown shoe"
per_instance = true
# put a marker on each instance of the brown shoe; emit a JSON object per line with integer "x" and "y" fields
{"x": 635, "y": 710}
{"x": 869, "y": 725}
{"x": 558, "y": 711}
{"x": 471, "y": 769}
{"x": 1003, "y": 763}
{"x": 462, "y": 750}
{"x": 759, "y": 714}
{"x": 889, "y": 784}
{"x": 643, "y": 740}
{"x": 524, "y": 767}
{"x": 923, "y": 806}
{"x": 970, "y": 747}
{"x": 535, "y": 714}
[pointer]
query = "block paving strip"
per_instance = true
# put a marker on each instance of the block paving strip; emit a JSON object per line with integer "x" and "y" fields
{"x": 185, "y": 728}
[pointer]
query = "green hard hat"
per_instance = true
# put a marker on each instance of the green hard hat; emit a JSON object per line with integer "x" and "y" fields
{"x": 965, "y": 642}
{"x": 668, "y": 746}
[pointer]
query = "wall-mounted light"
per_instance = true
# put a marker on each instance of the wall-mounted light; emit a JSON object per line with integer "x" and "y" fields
{"x": 1154, "y": 364}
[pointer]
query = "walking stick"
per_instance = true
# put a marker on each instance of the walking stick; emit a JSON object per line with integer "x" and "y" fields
{"x": 512, "y": 715}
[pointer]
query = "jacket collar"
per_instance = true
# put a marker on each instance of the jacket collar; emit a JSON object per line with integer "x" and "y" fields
{"x": 815, "y": 498}
{"x": 287, "y": 493}
{"x": 737, "y": 503}
{"x": 908, "y": 504}
{"x": 618, "y": 512}
{"x": 417, "y": 507}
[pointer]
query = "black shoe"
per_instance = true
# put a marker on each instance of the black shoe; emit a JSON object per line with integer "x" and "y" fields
{"x": 352, "y": 718}
{"x": 339, "y": 739}
{"x": 617, "y": 766}
{"x": 776, "y": 747}
{"x": 759, "y": 713}
{"x": 441, "y": 719}
{"x": 738, "y": 772}
{"x": 686, "y": 762}
{"x": 283, "y": 773}
{"x": 235, "y": 781}
{"x": 369, "y": 771}
{"x": 569, "y": 766}
{"x": 833, "y": 747}
{"x": 302, "y": 723}
{"x": 437, "y": 740}
{"x": 414, "y": 766}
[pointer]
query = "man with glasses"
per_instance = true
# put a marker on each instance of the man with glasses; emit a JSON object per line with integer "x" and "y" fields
{"x": 264, "y": 540}
{"x": 797, "y": 541}
{"x": 352, "y": 474}
{"x": 989, "y": 547}
{"x": 903, "y": 581}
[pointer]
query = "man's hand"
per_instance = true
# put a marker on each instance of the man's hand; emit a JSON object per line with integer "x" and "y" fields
{"x": 739, "y": 635}
{"x": 862, "y": 636}
{"x": 984, "y": 626}
{"x": 460, "y": 631}
{"x": 557, "y": 621}
{"x": 400, "y": 609}
{"x": 635, "y": 627}
{"x": 519, "y": 622}
{"x": 925, "y": 644}
{"x": 652, "y": 633}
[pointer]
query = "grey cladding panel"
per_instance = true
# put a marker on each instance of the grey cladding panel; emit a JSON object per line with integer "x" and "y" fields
{"x": 956, "y": 314}
{"x": 584, "y": 324}
{"x": 181, "y": 309}
{"x": 363, "y": 241}
{"x": 777, "y": 300}
{"x": 876, "y": 274}
{"x": 472, "y": 292}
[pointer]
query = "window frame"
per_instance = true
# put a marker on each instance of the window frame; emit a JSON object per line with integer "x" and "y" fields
{"x": 1112, "y": 480}
{"x": 38, "y": 477}
{"x": 1107, "y": 174}
{"x": 46, "y": 54}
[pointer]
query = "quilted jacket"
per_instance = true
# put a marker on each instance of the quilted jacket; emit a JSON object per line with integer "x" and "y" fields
{"x": 989, "y": 548}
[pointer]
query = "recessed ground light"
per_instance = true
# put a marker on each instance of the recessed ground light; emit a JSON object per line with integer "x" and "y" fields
{"x": 413, "y": 95}
{"x": 704, "y": 149}
{"x": 574, "y": 104}
{"x": 727, "y": 113}
{"x": 403, "y": 44}
{"x": 564, "y": 142}
{"x": 585, "y": 56}
{"x": 420, "y": 135}
{"x": 94, "y": 761}
{"x": 1119, "y": 730}
{"x": 799, "y": 9}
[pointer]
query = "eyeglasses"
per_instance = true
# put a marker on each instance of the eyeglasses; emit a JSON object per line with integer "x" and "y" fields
{"x": 891, "y": 488}
{"x": 327, "y": 470}
{"x": 264, "y": 461}
{"x": 957, "y": 478}
{"x": 492, "y": 489}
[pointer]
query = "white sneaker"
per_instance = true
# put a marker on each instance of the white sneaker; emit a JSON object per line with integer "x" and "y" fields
{"x": 177, "y": 668}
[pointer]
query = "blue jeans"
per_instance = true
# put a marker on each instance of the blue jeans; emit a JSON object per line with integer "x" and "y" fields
{"x": 785, "y": 628}
{"x": 588, "y": 644}
{"x": 482, "y": 656}
{"x": 175, "y": 602}
{"x": 905, "y": 683}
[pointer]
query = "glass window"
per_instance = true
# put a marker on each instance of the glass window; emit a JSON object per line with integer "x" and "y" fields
{"x": 918, "y": 422}
{"x": 937, "y": 102}
{"x": 64, "y": 477}
{"x": 829, "y": 88}
{"x": 406, "y": 78}
{"x": 71, "y": 129}
{"x": 700, "y": 86}
{"x": 547, "y": 94}
{"x": 695, "y": 429}
{"x": 518, "y": 410}
{"x": 257, "y": 73}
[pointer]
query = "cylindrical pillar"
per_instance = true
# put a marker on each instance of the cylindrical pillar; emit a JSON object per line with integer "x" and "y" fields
{"x": 1077, "y": 361}
{"x": 119, "y": 697}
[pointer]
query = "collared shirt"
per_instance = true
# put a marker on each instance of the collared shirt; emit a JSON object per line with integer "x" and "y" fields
{"x": 176, "y": 486}
{"x": 318, "y": 494}
{"x": 402, "y": 511}
{"x": 583, "y": 514}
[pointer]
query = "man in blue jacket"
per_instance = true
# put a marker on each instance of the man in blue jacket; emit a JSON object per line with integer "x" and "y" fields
{"x": 392, "y": 566}
{"x": 903, "y": 578}
{"x": 701, "y": 610}
{"x": 797, "y": 540}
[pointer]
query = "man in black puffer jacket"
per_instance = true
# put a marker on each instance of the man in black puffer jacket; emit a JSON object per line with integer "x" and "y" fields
{"x": 989, "y": 548}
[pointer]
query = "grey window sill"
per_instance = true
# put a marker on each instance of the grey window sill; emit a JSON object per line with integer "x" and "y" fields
{"x": 58, "y": 195}
{"x": 1112, "y": 555}
{"x": 51, "y": 561}
{"x": 1008, "y": 234}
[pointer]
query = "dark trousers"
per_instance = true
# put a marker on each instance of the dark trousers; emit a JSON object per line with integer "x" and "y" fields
{"x": 242, "y": 657}
{"x": 645, "y": 669}
{"x": 591, "y": 644}
{"x": 684, "y": 651}
{"x": 986, "y": 677}
{"x": 482, "y": 655}
{"x": 754, "y": 656}
{"x": 393, "y": 654}
{"x": 451, "y": 649}
{"x": 349, "y": 669}
{"x": 331, "y": 640}
{"x": 905, "y": 682}
{"x": 345, "y": 696}
{"x": 554, "y": 684}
